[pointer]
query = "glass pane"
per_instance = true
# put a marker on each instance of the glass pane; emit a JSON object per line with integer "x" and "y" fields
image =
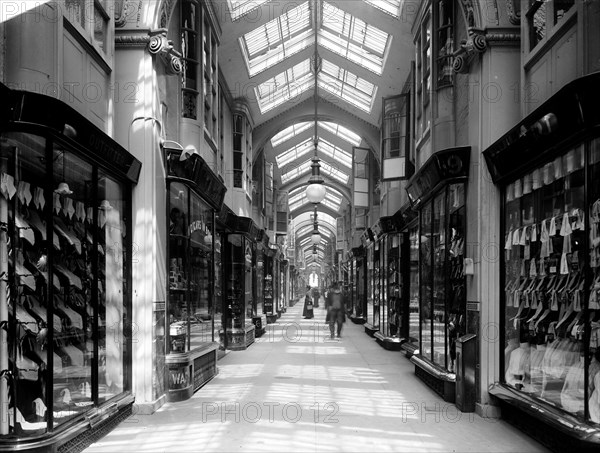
{"x": 114, "y": 324}
{"x": 178, "y": 265}
{"x": 593, "y": 391}
{"x": 370, "y": 263}
{"x": 439, "y": 280}
{"x": 376, "y": 285}
{"x": 26, "y": 302}
{"x": 543, "y": 277}
{"x": 413, "y": 324}
{"x": 457, "y": 295}
{"x": 426, "y": 280}
{"x": 76, "y": 11}
{"x": 73, "y": 208}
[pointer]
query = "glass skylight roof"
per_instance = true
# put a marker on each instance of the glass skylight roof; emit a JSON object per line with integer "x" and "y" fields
{"x": 285, "y": 86}
{"x": 334, "y": 152}
{"x": 290, "y": 132}
{"x": 342, "y": 132}
{"x": 295, "y": 172}
{"x": 333, "y": 172}
{"x": 297, "y": 198}
{"x": 238, "y": 8}
{"x": 391, "y": 7}
{"x": 294, "y": 152}
{"x": 323, "y": 217}
{"x": 347, "y": 86}
{"x": 353, "y": 38}
{"x": 276, "y": 40}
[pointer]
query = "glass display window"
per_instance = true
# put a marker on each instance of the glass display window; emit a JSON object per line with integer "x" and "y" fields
{"x": 238, "y": 281}
{"x": 392, "y": 304}
{"x": 413, "y": 304}
{"x": 68, "y": 298}
{"x": 442, "y": 280}
{"x": 551, "y": 275}
{"x": 191, "y": 259}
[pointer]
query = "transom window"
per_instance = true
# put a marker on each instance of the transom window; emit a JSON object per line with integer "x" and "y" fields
{"x": 276, "y": 40}
{"x": 353, "y": 38}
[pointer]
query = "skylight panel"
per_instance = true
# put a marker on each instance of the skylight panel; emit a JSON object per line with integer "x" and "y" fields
{"x": 331, "y": 200}
{"x": 339, "y": 155}
{"x": 276, "y": 40}
{"x": 334, "y": 172}
{"x": 290, "y": 132}
{"x": 284, "y": 86}
{"x": 391, "y": 7}
{"x": 296, "y": 172}
{"x": 354, "y": 39}
{"x": 342, "y": 132}
{"x": 294, "y": 153}
{"x": 347, "y": 86}
{"x": 239, "y": 8}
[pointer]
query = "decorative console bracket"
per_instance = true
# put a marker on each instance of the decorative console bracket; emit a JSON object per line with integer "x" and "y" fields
{"x": 475, "y": 44}
{"x": 162, "y": 47}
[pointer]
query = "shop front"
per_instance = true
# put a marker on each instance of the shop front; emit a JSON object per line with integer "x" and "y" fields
{"x": 373, "y": 281}
{"x": 259, "y": 318}
{"x": 437, "y": 193}
{"x": 65, "y": 268}
{"x": 410, "y": 265}
{"x": 270, "y": 290}
{"x": 239, "y": 311}
{"x": 358, "y": 314}
{"x": 393, "y": 309}
{"x": 547, "y": 168}
{"x": 195, "y": 194}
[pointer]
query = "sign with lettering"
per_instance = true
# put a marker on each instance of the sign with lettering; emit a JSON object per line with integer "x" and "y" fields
{"x": 179, "y": 377}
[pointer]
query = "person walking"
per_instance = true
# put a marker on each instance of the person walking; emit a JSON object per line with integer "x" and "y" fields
{"x": 307, "y": 311}
{"x": 336, "y": 315}
{"x": 316, "y": 295}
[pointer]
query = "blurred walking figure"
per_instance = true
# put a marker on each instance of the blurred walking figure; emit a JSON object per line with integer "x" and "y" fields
{"x": 336, "y": 315}
{"x": 308, "y": 312}
{"x": 316, "y": 294}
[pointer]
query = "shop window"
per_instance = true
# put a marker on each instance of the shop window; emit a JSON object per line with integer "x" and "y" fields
{"x": 545, "y": 291}
{"x": 190, "y": 260}
{"x": 239, "y": 129}
{"x": 413, "y": 325}
{"x": 68, "y": 304}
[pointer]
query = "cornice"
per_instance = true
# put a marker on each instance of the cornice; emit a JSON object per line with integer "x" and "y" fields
{"x": 130, "y": 38}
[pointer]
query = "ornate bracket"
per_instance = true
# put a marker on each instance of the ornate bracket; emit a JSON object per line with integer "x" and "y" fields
{"x": 161, "y": 47}
{"x": 475, "y": 44}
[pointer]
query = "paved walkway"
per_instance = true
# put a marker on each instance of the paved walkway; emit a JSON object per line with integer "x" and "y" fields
{"x": 295, "y": 390}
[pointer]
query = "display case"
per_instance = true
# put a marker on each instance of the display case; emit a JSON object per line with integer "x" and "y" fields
{"x": 237, "y": 291}
{"x": 194, "y": 193}
{"x": 65, "y": 274}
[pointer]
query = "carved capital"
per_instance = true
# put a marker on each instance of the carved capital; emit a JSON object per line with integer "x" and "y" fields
{"x": 476, "y": 43}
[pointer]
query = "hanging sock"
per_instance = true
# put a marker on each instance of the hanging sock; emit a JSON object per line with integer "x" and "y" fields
{"x": 516, "y": 237}
{"x": 532, "y": 269}
{"x": 523, "y": 237}
{"x": 565, "y": 228}
{"x": 68, "y": 209}
{"x": 24, "y": 193}
{"x": 90, "y": 214}
{"x": 542, "y": 272}
{"x": 534, "y": 235}
{"x": 544, "y": 239}
{"x": 80, "y": 211}
{"x": 7, "y": 186}
{"x": 552, "y": 231}
{"x": 508, "y": 243}
{"x": 38, "y": 198}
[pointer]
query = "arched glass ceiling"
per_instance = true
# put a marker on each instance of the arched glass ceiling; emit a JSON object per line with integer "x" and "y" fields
{"x": 301, "y": 149}
{"x": 342, "y": 132}
{"x": 304, "y": 168}
{"x": 322, "y": 217}
{"x": 294, "y": 152}
{"x": 336, "y": 129}
{"x": 276, "y": 40}
{"x": 338, "y": 154}
{"x": 308, "y": 229}
{"x": 284, "y": 86}
{"x": 391, "y": 7}
{"x": 297, "y": 198}
{"x": 347, "y": 86}
{"x": 352, "y": 38}
{"x": 290, "y": 132}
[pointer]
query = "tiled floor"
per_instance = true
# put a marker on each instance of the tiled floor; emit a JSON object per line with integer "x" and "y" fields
{"x": 295, "y": 390}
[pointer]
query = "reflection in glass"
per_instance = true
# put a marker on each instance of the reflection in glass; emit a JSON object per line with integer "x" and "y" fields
{"x": 439, "y": 279}
{"x": 426, "y": 280}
